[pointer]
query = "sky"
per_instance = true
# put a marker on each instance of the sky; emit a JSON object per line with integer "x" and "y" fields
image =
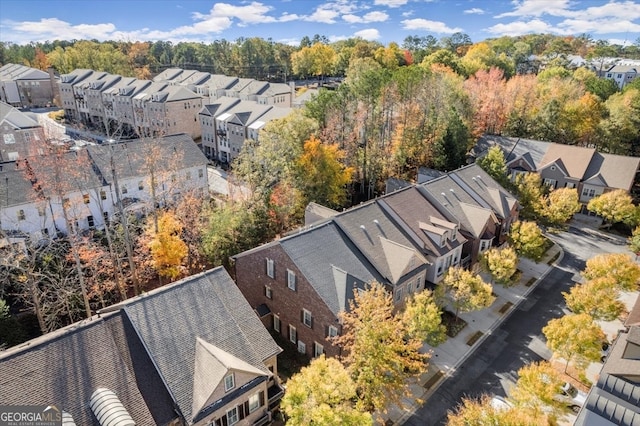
{"x": 287, "y": 21}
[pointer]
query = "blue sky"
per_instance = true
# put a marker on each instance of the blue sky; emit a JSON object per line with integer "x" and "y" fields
{"x": 287, "y": 21}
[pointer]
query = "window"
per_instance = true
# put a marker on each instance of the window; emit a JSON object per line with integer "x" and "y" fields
{"x": 293, "y": 335}
{"x": 140, "y": 186}
{"x": 85, "y": 198}
{"x": 550, "y": 182}
{"x": 318, "y": 349}
{"x": 232, "y": 416}
{"x": 588, "y": 192}
{"x": 103, "y": 194}
{"x": 229, "y": 382}
{"x": 307, "y": 319}
{"x": 291, "y": 279}
{"x": 13, "y": 156}
{"x": 9, "y": 138}
{"x": 276, "y": 323}
{"x": 41, "y": 211}
{"x": 21, "y": 215}
{"x": 267, "y": 292}
{"x": 398, "y": 294}
{"x": 484, "y": 245}
{"x": 333, "y": 331}
{"x": 302, "y": 348}
{"x": 569, "y": 185}
{"x": 90, "y": 221}
{"x": 254, "y": 402}
{"x": 270, "y": 268}
{"x": 124, "y": 189}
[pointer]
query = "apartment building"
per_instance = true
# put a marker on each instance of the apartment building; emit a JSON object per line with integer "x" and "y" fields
{"x": 26, "y": 87}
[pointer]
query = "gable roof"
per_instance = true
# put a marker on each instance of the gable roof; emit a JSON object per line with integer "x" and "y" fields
{"x": 179, "y": 150}
{"x": 612, "y": 401}
{"x": 575, "y": 159}
{"x": 531, "y": 150}
{"x": 15, "y": 187}
{"x": 380, "y": 240}
{"x": 330, "y": 262}
{"x": 16, "y": 72}
{"x": 220, "y": 105}
{"x": 209, "y": 306}
{"x": 66, "y": 366}
{"x": 245, "y": 112}
{"x": 476, "y": 181}
{"x": 615, "y": 171}
{"x": 15, "y": 118}
{"x": 411, "y": 209}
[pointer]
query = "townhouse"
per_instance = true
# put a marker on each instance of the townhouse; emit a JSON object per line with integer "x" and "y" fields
{"x": 300, "y": 284}
{"x": 192, "y": 353}
{"x": 591, "y": 172}
{"x": 622, "y": 73}
{"x": 21, "y": 133}
{"x": 26, "y": 87}
{"x": 43, "y": 194}
{"x": 67, "y": 94}
{"x": 206, "y": 117}
{"x": 232, "y": 128}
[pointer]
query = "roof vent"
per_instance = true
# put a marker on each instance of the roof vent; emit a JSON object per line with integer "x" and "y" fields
{"x": 108, "y": 409}
{"x": 376, "y": 221}
{"x": 452, "y": 191}
{"x": 362, "y": 227}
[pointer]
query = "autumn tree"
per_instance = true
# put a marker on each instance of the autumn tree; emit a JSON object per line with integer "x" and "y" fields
{"x": 575, "y": 337}
{"x": 597, "y": 297}
{"x": 536, "y": 389}
{"x": 560, "y": 205}
{"x": 481, "y": 412}
{"x": 466, "y": 290}
{"x": 527, "y": 239}
{"x": 168, "y": 251}
{"x": 495, "y": 165}
{"x": 614, "y": 206}
{"x": 422, "y": 318}
{"x": 377, "y": 353}
{"x": 501, "y": 264}
{"x": 322, "y": 177}
{"x": 618, "y": 266}
{"x": 322, "y": 394}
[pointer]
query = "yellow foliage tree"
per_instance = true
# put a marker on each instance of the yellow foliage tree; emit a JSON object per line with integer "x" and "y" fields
{"x": 168, "y": 251}
{"x": 619, "y": 266}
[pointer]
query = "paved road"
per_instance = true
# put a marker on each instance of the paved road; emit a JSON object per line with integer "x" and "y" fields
{"x": 519, "y": 340}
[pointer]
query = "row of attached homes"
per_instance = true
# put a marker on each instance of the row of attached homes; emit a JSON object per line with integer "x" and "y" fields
{"x": 223, "y": 111}
{"x": 405, "y": 240}
{"x": 41, "y": 194}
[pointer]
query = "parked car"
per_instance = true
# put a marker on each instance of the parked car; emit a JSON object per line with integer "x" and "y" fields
{"x": 571, "y": 397}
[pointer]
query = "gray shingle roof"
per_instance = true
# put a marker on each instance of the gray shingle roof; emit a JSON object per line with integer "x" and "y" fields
{"x": 220, "y": 105}
{"x": 479, "y": 182}
{"x": 380, "y": 240}
{"x": 612, "y": 401}
{"x": 617, "y": 171}
{"x": 209, "y": 306}
{"x": 533, "y": 151}
{"x": 15, "y": 118}
{"x": 65, "y": 367}
{"x": 320, "y": 254}
{"x": 21, "y": 72}
{"x": 15, "y": 187}
{"x": 179, "y": 150}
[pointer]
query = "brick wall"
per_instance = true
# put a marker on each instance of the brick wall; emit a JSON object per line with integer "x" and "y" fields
{"x": 251, "y": 277}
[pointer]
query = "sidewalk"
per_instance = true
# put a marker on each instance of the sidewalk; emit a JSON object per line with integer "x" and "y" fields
{"x": 448, "y": 356}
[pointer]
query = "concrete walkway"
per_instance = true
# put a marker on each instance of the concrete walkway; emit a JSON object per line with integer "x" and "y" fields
{"x": 448, "y": 356}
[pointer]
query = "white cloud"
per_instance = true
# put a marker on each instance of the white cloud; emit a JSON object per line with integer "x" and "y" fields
{"x": 427, "y": 25}
{"x": 538, "y": 8}
{"x": 369, "y": 17}
{"x": 254, "y": 12}
{"x": 598, "y": 26}
{"x": 517, "y": 28}
{"x": 390, "y": 3}
{"x": 368, "y": 34}
{"x": 54, "y": 28}
{"x": 474, "y": 11}
{"x": 627, "y": 10}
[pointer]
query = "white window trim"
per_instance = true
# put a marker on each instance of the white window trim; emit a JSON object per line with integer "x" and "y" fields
{"x": 291, "y": 280}
{"x": 233, "y": 410}
{"x": 276, "y": 323}
{"x": 293, "y": 334}
{"x": 302, "y": 347}
{"x": 253, "y": 408}
{"x": 332, "y": 331}
{"x": 227, "y": 386}
{"x": 318, "y": 349}
{"x": 270, "y": 268}
{"x": 306, "y": 314}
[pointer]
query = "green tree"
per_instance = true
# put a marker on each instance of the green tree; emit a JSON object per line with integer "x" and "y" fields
{"x": 466, "y": 290}
{"x": 321, "y": 176}
{"x": 619, "y": 266}
{"x": 575, "y": 337}
{"x": 322, "y": 394}
{"x": 527, "y": 239}
{"x": 560, "y": 205}
{"x": 614, "y": 206}
{"x": 536, "y": 389}
{"x": 597, "y": 297}
{"x": 495, "y": 165}
{"x": 4, "y": 309}
{"x": 501, "y": 263}
{"x": 530, "y": 195}
{"x": 443, "y": 57}
{"x": 634, "y": 240}
{"x": 423, "y": 319}
{"x": 377, "y": 353}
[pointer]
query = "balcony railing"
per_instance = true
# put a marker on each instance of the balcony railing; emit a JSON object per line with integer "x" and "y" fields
{"x": 264, "y": 420}
{"x": 274, "y": 393}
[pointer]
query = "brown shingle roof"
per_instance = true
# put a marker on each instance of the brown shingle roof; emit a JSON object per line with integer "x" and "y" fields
{"x": 576, "y": 159}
